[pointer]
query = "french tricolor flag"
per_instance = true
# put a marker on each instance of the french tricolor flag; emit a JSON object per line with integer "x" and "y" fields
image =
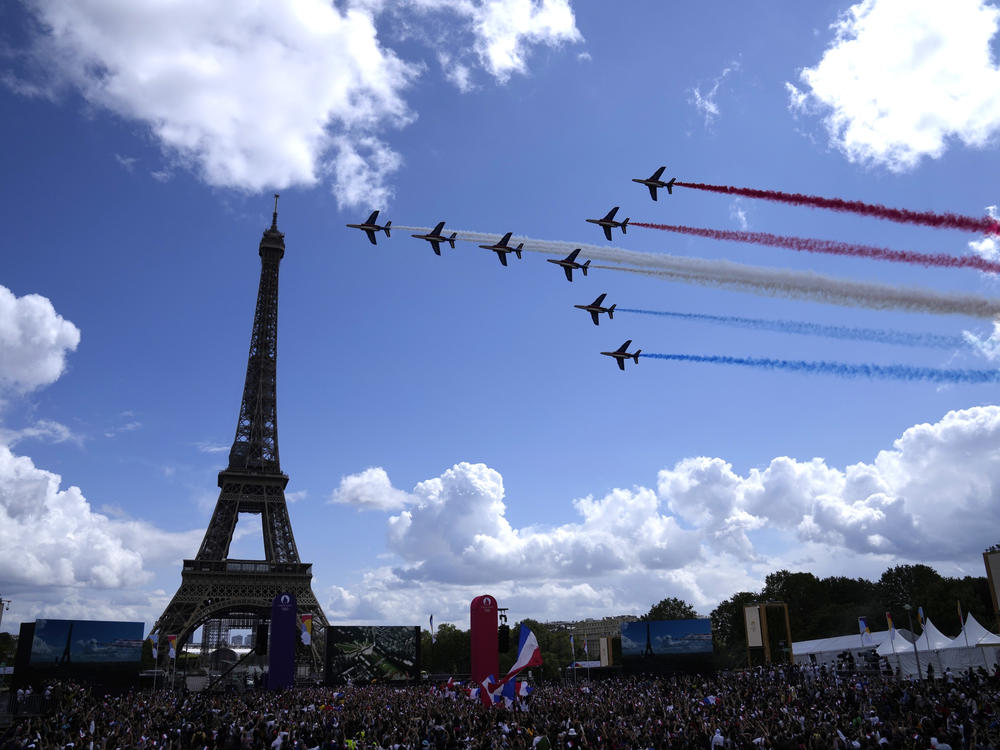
{"x": 528, "y": 653}
{"x": 487, "y": 686}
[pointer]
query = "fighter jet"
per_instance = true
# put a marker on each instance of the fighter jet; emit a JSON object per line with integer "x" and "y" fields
{"x": 501, "y": 249}
{"x": 569, "y": 263}
{"x": 436, "y": 238}
{"x": 608, "y": 222}
{"x": 595, "y": 309}
{"x": 655, "y": 182}
{"x": 621, "y": 354}
{"x": 371, "y": 227}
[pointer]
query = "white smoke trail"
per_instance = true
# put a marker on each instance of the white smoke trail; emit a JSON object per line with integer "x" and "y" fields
{"x": 726, "y": 274}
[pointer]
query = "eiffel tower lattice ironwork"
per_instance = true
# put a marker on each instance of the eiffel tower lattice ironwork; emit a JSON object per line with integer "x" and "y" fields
{"x": 212, "y": 584}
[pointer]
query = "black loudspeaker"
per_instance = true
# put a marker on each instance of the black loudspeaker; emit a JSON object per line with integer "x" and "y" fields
{"x": 260, "y": 639}
{"x": 22, "y": 658}
{"x": 503, "y": 638}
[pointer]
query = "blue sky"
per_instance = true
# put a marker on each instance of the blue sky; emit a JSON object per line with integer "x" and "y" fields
{"x": 448, "y": 425}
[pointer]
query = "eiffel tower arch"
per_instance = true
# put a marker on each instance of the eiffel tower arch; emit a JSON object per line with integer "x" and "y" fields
{"x": 213, "y": 585}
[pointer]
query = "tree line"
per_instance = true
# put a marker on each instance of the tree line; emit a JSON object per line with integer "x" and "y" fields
{"x": 817, "y": 608}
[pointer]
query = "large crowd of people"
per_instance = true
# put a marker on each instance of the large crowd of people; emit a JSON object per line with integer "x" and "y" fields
{"x": 784, "y": 708}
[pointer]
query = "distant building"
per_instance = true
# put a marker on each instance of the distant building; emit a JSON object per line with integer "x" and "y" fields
{"x": 606, "y": 627}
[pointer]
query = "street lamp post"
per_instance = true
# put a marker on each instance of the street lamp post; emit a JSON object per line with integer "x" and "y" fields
{"x": 916, "y": 654}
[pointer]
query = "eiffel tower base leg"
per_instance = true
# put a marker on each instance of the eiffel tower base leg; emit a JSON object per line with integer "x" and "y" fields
{"x": 216, "y": 589}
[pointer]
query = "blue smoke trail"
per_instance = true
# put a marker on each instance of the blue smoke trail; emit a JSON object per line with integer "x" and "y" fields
{"x": 879, "y": 335}
{"x": 841, "y": 369}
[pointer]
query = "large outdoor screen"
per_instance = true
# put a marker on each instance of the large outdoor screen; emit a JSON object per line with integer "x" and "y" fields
{"x": 364, "y": 653}
{"x": 85, "y": 642}
{"x": 667, "y": 645}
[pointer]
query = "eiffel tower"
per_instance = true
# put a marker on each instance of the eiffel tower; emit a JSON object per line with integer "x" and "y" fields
{"x": 213, "y": 585}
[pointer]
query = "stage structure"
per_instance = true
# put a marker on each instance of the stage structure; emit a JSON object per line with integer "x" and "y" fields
{"x": 217, "y": 591}
{"x": 759, "y": 640}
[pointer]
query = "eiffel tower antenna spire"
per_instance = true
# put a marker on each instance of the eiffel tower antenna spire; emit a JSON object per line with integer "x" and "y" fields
{"x": 212, "y": 584}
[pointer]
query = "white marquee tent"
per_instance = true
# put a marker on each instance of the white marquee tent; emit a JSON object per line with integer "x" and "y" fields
{"x": 974, "y": 647}
{"x": 826, "y": 650}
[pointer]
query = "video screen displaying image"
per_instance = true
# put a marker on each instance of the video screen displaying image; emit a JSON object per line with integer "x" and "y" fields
{"x": 667, "y": 645}
{"x": 86, "y": 642}
{"x": 363, "y": 653}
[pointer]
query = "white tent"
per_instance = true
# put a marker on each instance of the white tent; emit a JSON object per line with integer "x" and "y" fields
{"x": 979, "y": 647}
{"x": 932, "y": 647}
{"x": 826, "y": 650}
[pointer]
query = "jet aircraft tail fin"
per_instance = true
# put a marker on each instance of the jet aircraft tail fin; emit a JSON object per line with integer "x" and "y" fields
{"x": 670, "y": 185}
{"x": 624, "y": 226}
{"x": 451, "y": 240}
{"x": 386, "y": 228}
{"x": 584, "y": 267}
{"x": 635, "y": 357}
{"x": 517, "y": 250}
{"x": 611, "y": 312}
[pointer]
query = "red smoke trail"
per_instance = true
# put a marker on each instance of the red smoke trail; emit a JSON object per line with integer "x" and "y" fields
{"x": 832, "y": 247}
{"x": 903, "y": 215}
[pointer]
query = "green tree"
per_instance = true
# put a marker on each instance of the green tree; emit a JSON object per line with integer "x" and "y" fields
{"x": 671, "y": 608}
{"x": 451, "y": 652}
{"x": 729, "y": 635}
{"x": 909, "y": 584}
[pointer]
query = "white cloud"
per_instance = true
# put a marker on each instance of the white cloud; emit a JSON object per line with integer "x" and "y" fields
{"x": 505, "y": 27}
{"x": 699, "y": 535}
{"x": 987, "y": 346}
{"x": 706, "y": 103}
{"x": 257, "y": 95}
{"x": 902, "y": 77}
{"x": 47, "y": 430}
{"x": 131, "y": 426}
{"x": 34, "y": 340}
{"x": 57, "y": 540}
{"x": 207, "y": 446}
{"x": 361, "y": 167}
{"x": 294, "y": 497}
{"x": 369, "y": 490}
{"x": 252, "y": 94}
{"x": 127, "y": 162}
{"x": 504, "y": 32}
{"x": 988, "y": 247}
{"x": 738, "y": 213}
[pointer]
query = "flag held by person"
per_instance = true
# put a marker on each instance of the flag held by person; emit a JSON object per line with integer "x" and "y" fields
{"x": 528, "y": 653}
{"x": 486, "y": 688}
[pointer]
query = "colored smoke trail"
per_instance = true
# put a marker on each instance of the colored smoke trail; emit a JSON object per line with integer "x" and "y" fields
{"x": 819, "y": 288}
{"x": 831, "y": 247}
{"x": 762, "y": 280}
{"x": 844, "y": 370}
{"x": 877, "y": 335}
{"x": 905, "y": 216}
